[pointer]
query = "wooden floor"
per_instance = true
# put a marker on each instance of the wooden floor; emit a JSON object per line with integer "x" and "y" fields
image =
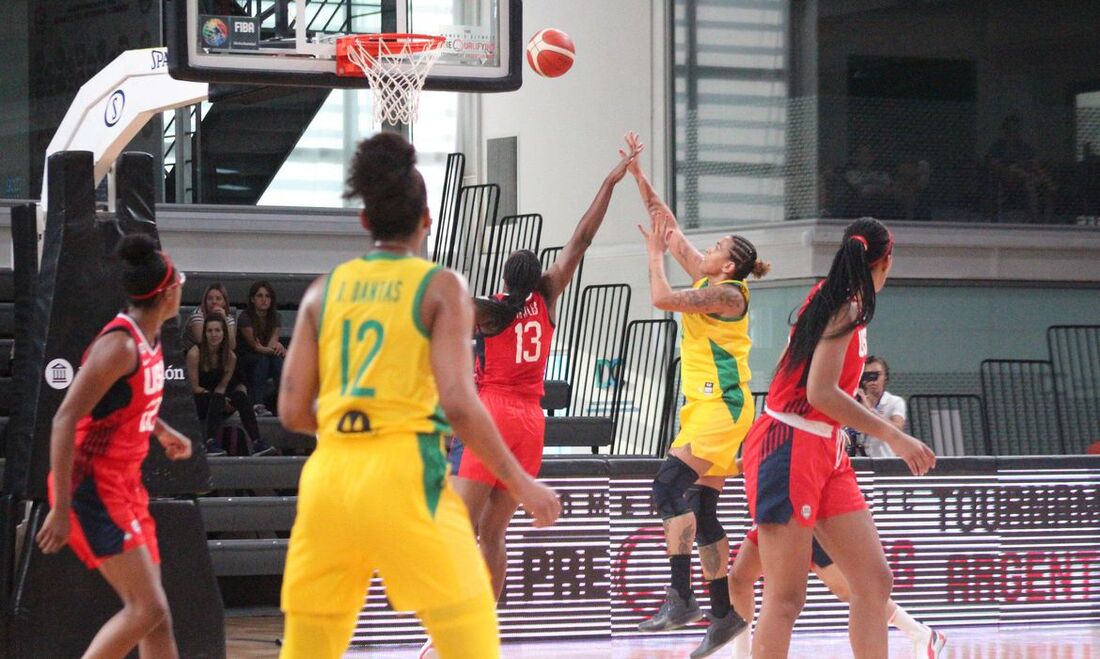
{"x": 253, "y": 637}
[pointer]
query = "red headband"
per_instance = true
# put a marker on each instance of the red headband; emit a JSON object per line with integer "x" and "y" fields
{"x": 889, "y": 247}
{"x": 165, "y": 284}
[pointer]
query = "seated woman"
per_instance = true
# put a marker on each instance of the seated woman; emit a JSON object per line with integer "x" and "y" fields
{"x": 211, "y": 366}
{"x": 260, "y": 352}
{"x": 215, "y": 299}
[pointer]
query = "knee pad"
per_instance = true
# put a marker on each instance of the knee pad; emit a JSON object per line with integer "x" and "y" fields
{"x": 669, "y": 487}
{"x": 708, "y": 530}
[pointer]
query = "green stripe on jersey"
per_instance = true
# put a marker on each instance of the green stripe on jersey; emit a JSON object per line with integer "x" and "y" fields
{"x": 729, "y": 378}
{"x": 435, "y": 468}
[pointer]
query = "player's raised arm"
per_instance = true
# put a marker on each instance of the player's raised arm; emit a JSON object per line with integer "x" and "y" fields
{"x": 557, "y": 277}
{"x": 689, "y": 258}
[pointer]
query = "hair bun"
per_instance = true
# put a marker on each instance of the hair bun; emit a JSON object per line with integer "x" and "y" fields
{"x": 137, "y": 249}
{"x": 761, "y": 268}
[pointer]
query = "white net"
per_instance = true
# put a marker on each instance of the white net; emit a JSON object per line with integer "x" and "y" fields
{"x": 396, "y": 67}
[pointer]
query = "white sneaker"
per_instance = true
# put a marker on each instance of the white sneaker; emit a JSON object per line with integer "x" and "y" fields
{"x": 929, "y": 644}
{"x": 259, "y": 409}
{"x": 427, "y": 651}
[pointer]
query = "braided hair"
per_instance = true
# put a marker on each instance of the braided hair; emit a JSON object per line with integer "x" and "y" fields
{"x": 743, "y": 253}
{"x": 866, "y": 243}
{"x": 522, "y": 274}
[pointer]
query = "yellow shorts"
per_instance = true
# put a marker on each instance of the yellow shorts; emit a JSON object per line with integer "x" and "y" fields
{"x": 384, "y": 505}
{"x": 710, "y": 431}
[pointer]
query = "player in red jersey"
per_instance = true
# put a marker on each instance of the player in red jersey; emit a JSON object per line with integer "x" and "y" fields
{"x": 99, "y": 439}
{"x": 798, "y": 479}
{"x": 513, "y": 334}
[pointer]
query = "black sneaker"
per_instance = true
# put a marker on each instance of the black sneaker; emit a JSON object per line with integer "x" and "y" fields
{"x": 673, "y": 614}
{"x": 721, "y": 631}
{"x": 262, "y": 448}
{"x": 214, "y": 449}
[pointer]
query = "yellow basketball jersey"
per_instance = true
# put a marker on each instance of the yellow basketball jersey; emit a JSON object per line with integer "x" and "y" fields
{"x": 376, "y": 377}
{"x": 714, "y": 355}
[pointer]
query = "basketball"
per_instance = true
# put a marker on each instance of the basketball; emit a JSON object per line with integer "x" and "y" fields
{"x": 550, "y": 52}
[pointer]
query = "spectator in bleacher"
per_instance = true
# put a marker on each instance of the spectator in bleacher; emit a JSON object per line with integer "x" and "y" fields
{"x": 260, "y": 351}
{"x": 215, "y": 300}
{"x": 1014, "y": 170}
{"x": 211, "y": 367}
{"x": 872, "y": 190}
{"x": 872, "y": 393}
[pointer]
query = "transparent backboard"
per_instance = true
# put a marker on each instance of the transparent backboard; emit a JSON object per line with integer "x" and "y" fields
{"x": 293, "y": 42}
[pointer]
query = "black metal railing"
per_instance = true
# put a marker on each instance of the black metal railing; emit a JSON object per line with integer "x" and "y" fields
{"x": 950, "y": 424}
{"x": 1021, "y": 407}
{"x": 640, "y": 411}
{"x": 477, "y": 211}
{"x": 511, "y": 233}
{"x": 446, "y": 226}
{"x": 595, "y": 357}
{"x": 1075, "y": 357}
{"x": 558, "y": 367}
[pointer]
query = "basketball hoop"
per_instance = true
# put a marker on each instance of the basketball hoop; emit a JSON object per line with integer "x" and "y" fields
{"x": 395, "y": 65}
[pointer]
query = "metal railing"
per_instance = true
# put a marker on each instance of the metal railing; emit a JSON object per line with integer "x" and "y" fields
{"x": 1075, "y": 356}
{"x": 446, "y": 226}
{"x": 640, "y": 410}
{"x": 595, "y": 355}
{"x": 511, "y": 233}
{"x": 558, "y": 368}
{"x": 1021, "y": 407}
{"x": 950, "y": 424}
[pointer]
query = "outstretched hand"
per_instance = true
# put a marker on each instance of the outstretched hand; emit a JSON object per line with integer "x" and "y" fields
{"x": 633, "y": 144}
{"x": 626, "y": 157}
{"x": 656, "y": 239}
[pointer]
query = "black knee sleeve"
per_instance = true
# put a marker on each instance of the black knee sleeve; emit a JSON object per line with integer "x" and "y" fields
{"x": 669, "y": 487}
{"x": 708, "y": 530}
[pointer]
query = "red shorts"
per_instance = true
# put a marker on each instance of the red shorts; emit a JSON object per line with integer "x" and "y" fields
{"x": 109, "y": 514}
{"x": 790, "y": 472}
{"x": 522, "y": 425}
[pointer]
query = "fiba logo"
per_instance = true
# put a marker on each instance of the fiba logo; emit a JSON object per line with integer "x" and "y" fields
{"x": 115, "y": 104}
{"x": 215, "y": 33}
{"x": 59, "y": 374}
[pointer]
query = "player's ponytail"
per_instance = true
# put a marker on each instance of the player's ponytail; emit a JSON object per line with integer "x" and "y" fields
{"x": 866, "y": 242}
{"x": 522, "y": 273}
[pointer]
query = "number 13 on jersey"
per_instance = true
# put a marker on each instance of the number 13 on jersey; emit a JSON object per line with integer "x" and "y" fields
{"x": 528, "y": 342}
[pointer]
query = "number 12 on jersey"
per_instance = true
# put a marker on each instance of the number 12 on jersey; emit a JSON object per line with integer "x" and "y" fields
{"x": 528, "y": 335}
{"x": 369, "y": 330}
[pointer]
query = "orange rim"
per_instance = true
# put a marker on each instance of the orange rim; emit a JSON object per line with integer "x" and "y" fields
{"x": 391, "y": 43}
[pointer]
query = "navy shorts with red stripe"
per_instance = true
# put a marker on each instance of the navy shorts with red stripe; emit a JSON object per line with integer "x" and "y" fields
{"x": 791, "y": 472}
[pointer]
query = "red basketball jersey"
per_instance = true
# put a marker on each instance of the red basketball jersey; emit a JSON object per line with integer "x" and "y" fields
{"x": 119, "y": 426}
{"x": 514, "y": 361}
{"x": 788, "y": 393}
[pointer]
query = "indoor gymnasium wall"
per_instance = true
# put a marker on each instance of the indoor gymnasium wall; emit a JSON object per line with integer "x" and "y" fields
{"x": 570, "y": 128}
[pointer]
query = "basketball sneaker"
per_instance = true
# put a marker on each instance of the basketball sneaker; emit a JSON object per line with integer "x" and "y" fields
{"x": 673, "y": 614}
{"x": 719, "y": 632}
{"x": 427, "y": 651}
{"x": 929, "y": 644}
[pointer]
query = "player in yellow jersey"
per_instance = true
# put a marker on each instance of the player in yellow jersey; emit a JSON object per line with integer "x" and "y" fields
{"x": 717, "y": 414}
{"x": 379, "y": 369}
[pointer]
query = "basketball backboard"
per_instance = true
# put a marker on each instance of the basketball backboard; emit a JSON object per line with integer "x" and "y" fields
{"x": 292, "y": 42}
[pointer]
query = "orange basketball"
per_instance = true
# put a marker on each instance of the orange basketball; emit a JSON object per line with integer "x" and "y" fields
{"x": 550, "y": 52}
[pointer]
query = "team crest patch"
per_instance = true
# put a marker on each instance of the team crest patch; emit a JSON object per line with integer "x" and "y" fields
{"x": 806, "y": 511}
{"x": 708, "y": 388}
